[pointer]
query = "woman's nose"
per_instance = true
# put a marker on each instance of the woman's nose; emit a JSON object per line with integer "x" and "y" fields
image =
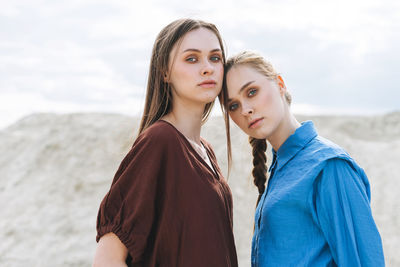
{"x": 247, "y": 110}
{"x": 207, "y": 68}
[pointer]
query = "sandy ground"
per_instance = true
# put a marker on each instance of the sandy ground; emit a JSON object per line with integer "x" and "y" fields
{"x": 55, "y": 170}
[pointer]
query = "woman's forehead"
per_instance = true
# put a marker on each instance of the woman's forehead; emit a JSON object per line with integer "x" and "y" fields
{"x": 201, "y": 39}
{"x": 242, "y": 73}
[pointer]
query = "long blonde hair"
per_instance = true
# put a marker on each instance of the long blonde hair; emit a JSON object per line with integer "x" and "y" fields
{"x": 259, "y": 146}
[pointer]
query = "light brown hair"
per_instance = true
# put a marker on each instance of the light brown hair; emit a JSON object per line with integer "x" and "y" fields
{"x": 158, "y": 93}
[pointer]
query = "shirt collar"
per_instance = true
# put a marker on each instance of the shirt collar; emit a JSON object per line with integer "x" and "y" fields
{"x": 293, "y": 144}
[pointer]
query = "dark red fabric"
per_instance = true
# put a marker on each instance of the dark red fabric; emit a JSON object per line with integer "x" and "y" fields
{"x": 167, "y": 205}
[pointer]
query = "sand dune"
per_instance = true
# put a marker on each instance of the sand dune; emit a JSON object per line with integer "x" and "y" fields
{"x": 55, "y": 169}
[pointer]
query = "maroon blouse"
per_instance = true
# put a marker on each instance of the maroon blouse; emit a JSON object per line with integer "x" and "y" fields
{"x": 168, "y": 206}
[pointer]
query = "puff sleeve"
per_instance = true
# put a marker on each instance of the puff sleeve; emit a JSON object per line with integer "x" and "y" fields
{"x": 129, "y": 209}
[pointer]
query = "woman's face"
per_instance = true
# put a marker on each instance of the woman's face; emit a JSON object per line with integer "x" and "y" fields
{"x": 196, "y": 67}
{"x": 255, "y": 103}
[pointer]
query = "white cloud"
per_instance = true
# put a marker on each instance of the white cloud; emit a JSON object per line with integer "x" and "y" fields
{"x": 71, "y": 55}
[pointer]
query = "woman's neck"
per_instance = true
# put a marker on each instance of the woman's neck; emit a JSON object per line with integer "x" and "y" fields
{"x": 186, "y": 120}
{"x": 285, "y": 129}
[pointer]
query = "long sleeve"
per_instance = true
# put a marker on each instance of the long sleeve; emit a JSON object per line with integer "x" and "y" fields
{"x": 344, "y": 214}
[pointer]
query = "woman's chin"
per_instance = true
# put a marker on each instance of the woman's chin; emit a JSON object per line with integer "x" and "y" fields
{"x": 209, "y": 96}
{"x": 207, "y": 100}
{"x": 256, "y": 134}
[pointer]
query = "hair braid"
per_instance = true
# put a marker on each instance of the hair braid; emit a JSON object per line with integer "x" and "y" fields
{"x": 259, "y": 162}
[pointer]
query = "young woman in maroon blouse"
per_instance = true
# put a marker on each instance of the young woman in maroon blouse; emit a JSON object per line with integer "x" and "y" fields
{"x": 169, "y": 204}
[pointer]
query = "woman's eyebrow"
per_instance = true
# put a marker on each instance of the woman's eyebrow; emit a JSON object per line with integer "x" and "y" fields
{"x": 197, "y": 50}
{"x": 242, "y": 88}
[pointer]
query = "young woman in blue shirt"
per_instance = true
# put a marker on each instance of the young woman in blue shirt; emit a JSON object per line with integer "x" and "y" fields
{"x": 314, "y": 209}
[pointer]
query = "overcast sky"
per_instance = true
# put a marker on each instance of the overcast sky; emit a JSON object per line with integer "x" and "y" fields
{"x": 338, "y": 56}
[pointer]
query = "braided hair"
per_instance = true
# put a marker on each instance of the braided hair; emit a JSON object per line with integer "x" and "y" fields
{"x": 259, "y": 164}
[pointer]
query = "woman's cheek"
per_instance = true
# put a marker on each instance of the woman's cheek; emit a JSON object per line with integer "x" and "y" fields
{"x": 221, "y": 73}
{"x": 238, "y": 121}
{"x": 266, "y": 98}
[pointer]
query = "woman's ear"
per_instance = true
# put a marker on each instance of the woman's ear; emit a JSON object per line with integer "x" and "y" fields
{"x": 281, "y": 84}
{"x": 166, "y": 78}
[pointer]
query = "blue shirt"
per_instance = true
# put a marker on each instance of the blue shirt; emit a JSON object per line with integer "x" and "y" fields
{"x": 315, "y": 210}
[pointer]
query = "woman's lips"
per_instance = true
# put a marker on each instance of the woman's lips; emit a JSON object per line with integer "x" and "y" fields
{"x": 208, "y": 84}
{"x": 255, "y": 123}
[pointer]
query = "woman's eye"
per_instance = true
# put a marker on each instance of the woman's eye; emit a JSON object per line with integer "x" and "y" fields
{"x": 191, "y": 59}
{"x": 233, "y": 107}
{"x": 215, "y": 58}
{"x": 252, "y": 92}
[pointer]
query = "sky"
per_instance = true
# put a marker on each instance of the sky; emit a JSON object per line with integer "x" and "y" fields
{"x": 336, "y": 57}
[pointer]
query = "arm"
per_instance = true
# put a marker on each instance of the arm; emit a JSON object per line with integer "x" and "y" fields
{"x": 345, "y": 217}
{"x": 110, "y": 252}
